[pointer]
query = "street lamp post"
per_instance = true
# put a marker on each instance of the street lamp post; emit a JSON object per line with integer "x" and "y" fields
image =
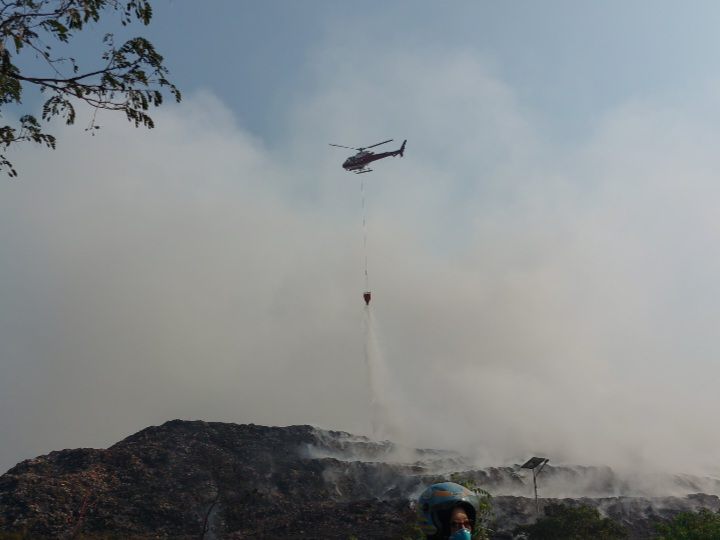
{"x": 535, "y": 464}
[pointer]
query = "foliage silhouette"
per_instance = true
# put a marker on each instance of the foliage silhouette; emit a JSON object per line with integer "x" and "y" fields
{"x": 701, "y": 525}
{"x": 563, "y": 522}
{"x": 129, "y": 78}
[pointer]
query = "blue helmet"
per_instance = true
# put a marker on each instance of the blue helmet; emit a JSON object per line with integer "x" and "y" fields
{"x": 436, "y": 503}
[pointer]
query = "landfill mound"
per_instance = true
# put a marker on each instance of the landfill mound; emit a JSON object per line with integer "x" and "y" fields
{"x": 194, "y": 479}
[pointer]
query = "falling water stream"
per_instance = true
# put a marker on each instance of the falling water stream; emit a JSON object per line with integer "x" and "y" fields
{"x": 382, "y": 422}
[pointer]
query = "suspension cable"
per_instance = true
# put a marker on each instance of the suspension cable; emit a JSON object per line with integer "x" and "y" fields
{"x": 364, "y": 224}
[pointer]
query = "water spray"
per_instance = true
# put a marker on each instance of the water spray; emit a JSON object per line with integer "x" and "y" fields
{"x": 382, "y": 420}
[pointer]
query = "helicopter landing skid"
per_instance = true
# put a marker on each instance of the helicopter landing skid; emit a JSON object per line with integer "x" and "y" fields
{"x": 363, "y": 171}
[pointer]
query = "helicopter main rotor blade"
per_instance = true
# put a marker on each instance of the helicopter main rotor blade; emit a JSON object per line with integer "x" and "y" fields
{"x": 378, "y": 144}
{"x": 341, "y": 146}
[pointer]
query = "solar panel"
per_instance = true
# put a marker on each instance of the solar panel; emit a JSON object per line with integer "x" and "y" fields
{"x": 533, "y": 462}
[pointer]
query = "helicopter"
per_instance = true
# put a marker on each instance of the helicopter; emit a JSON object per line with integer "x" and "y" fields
{"x": 358, "y": 163}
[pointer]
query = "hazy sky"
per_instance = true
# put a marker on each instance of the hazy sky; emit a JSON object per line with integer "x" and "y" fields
{"x": 544, "y": 261}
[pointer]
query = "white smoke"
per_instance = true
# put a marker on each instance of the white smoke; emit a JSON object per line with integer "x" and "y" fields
{"x": 532, "y": 298}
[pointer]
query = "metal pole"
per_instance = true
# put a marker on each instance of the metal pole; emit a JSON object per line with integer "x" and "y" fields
{"x": 535, "y": 464}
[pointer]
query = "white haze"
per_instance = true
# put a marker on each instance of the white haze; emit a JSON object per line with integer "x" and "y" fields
{"x": 530, "y": 298}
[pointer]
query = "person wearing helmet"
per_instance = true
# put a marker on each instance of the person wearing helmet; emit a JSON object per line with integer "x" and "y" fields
{"x": 448, "y": 511}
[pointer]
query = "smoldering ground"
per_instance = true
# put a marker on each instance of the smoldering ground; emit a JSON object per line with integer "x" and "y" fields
{"x": 530, "y": 296}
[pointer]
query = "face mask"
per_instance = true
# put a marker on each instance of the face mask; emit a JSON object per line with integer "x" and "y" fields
{"x": 462, "y": 534}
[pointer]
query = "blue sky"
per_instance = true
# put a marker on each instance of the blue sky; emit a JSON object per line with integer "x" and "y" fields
{"x": 544, "y": 255}
{"x": 567, "y": 61}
